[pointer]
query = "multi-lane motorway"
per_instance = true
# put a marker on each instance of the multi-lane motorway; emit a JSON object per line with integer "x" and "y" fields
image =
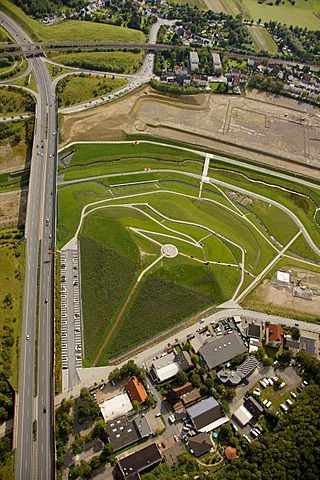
{"x": 34, "y": 419}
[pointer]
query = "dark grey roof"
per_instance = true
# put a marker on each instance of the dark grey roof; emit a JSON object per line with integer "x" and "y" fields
{"x": 122, "y": 432}
{"x": 253, "y": 331}
{"x": 215, "y": 352}
{"x": 183, "y": 358}
{"x": 205, "y": 412}
{"x": 290, "y": 343}
{"x": 308, "y": 345}
{"x": 253, "y": 406}
{"x": 200, "y": 443}
{"x": 139, "y": 461}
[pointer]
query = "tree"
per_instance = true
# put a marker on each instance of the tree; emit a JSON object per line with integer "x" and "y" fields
{"x": 114, "y": 376}
{"x": 295, "y": 333}
{"x": 195, "y": 359}
{"x": 230, "y": 393}
{"x": 87, "y": 407}
{"x": 106, "y": 453}
{"x": 136, "y": 405}
{"x": 195, "y": 379}
{"x": 181, "y": 378}
{"x": 98, "y": 428}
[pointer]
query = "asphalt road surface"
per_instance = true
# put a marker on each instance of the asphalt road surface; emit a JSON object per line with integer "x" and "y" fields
{"x": 35, "y": 459}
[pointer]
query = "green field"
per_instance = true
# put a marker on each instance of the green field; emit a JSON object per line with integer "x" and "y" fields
{"x": 70, "y": 29}
{"x": 303, "y": 13}
{"x": 75, "y": 89}
{"x": 262, "y": 39}
{"x": 135, "y": 211}
{"x": 117, "y": 62}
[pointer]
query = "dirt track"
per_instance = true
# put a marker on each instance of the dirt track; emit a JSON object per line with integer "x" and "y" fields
{"x": 260, "y": 127}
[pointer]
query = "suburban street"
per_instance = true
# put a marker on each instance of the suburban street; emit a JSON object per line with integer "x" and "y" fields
{"x": 35, "y": 398}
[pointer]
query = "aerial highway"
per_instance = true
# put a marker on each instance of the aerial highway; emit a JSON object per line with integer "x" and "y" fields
{"x": 34, "y": 446}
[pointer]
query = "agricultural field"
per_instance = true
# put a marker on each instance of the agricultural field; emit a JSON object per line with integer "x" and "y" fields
{"x": 302, "y": 13}
{"x": 262, "y": 39}
{"x": 137, "y": 197}
{"x": 71, "y": 29}
{"x": 74, "y": 89}
{"x": 116, "y": 62}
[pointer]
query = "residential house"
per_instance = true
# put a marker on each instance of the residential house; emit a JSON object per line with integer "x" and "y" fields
{"x": 274, "y": 336}
{"x": 293, "y": 345}
{"x": 135, "y": 390}
{"x": 200, "y": 444}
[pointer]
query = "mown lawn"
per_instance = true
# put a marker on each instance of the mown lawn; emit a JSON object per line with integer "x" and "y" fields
{"x": 74, "y": 89}
{"x": 117, "y": 62}
{"x": 71, "y": 29}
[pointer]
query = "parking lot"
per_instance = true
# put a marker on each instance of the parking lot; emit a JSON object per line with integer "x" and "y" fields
{"x": 71, "y": 340}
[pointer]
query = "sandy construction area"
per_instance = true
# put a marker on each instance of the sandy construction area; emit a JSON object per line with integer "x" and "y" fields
{"x": 281, "y": 297}
{"x": 264, "y": 128}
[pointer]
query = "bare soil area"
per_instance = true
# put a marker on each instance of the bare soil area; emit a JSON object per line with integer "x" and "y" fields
{"x": 13, "y": 158}
{"x": 281, "y": 297}
{"x": 13, "y": 208}
{"x": 264, "y": 128}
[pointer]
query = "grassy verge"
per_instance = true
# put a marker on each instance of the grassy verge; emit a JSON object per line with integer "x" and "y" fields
{"x": 55, "y": 71}
{"x": 27, "y": 81}
{"x": 117, "y": 62}
{"x": 75, "y": 89}
{"x": 12, "y": 261}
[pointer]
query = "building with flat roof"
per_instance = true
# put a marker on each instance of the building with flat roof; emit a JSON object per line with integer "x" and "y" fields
{"x": 135, "y": 390}
{"x": 194, "y": 61}
{"x": 206, "y": 415}
{"x": 115, "y": 407}
{"x": 216, "y": 60}
{"x": 308, "y": 345}
{"x": 124, "y": 431}
{"x": 131, "y": 466}
{"x": 215, "y": 352}
{"x": 242, "y": 415}
{"x": 169, "y": 365}
{"x": 254, "y": 331}
{"x": 253, "y": 407}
